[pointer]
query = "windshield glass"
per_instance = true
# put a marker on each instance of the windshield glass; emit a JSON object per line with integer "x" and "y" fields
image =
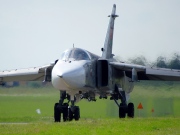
{"x": 75, "y": 54}
{"x": 65, "y": 55}
{"x": 79, "y": 54}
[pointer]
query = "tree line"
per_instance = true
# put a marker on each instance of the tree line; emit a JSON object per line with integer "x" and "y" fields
{"x": 161, "y": 61}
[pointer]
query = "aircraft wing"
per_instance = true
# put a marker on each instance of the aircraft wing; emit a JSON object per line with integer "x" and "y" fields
{"x": 138, "y": 72}
{"x": 28, "y": 74}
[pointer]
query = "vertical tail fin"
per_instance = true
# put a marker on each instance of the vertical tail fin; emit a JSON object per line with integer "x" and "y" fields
{"x": 107, "y": 50}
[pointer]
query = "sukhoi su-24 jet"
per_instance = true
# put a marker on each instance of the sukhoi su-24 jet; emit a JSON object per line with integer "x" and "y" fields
{"x": 80, "y": 74}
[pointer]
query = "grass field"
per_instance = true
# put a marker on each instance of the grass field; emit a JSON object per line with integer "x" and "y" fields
{"x": 105, "y": 126}
{"x": 18, "y": 112}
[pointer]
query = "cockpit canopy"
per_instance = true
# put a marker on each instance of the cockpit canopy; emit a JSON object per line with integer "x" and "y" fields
{"x": 77, "y": 54}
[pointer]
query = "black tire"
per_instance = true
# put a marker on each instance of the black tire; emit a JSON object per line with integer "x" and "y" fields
{"x": 77, "y": 114}
{"x": 57, "y": 114}
{"x": 70, "y": 114}
{"x": 131, "y": 110}
{"x": 122, "y": 111}
{"x": 65, "y": 112}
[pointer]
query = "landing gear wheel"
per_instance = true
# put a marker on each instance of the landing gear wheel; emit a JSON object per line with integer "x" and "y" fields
{"x": 73, "y": 112}
{"x": 65, "y": 112}
{"x": 131, "y": 110}
{"x": 70, "y": 114}
{"x": 122, "y": 111}
{"x": 57, "y": 114}
{"x": 77, "y": 113}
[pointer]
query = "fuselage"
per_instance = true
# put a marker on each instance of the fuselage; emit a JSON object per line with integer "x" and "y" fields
{"x": 77, "y": 71}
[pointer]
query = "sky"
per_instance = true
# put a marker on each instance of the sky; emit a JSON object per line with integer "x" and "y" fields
{"x": 36, "y": 32}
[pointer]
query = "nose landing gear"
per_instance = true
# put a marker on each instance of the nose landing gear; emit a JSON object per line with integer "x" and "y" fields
{"x": 68, "y": 112}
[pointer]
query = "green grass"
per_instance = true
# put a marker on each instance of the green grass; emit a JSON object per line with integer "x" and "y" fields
{"x": 18, "y": 105}
{"x": 140, "y": 126}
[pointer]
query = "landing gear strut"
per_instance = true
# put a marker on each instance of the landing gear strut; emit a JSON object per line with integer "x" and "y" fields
{"x": 68, "y": 112}
{"x": 123, "y": 107}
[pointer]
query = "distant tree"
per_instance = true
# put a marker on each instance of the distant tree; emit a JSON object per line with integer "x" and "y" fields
{"x": 161, "y": 62}
{"x": 118, "y": 58}
{"x": 34, "y": 84}
{"x": 174, "y": 63}
{"x": 15, "y": 84}
{"x": 140, "y": 60}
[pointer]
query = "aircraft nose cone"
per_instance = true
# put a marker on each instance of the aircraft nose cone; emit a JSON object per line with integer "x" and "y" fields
{"x": 74, "y": 77}
{"x": 67, "y": 76}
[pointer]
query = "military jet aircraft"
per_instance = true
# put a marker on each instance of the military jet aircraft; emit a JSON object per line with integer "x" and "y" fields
{"x": 80, "y": 74}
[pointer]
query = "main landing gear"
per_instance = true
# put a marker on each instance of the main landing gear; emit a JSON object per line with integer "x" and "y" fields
{"x": 123, "y": 107}
{"x": 67, "y": 112}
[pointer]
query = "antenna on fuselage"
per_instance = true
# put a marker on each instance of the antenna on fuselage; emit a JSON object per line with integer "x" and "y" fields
{"x": 73, "y": 45}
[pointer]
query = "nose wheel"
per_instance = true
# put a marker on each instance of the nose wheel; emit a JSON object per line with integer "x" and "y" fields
{"x": 73, "y": 113}
{"x": 60, "y": 110}
{"x": 63, "y": 109}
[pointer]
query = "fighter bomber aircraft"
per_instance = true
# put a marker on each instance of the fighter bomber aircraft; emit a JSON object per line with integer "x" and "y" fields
{"x": 80, "y": 74}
